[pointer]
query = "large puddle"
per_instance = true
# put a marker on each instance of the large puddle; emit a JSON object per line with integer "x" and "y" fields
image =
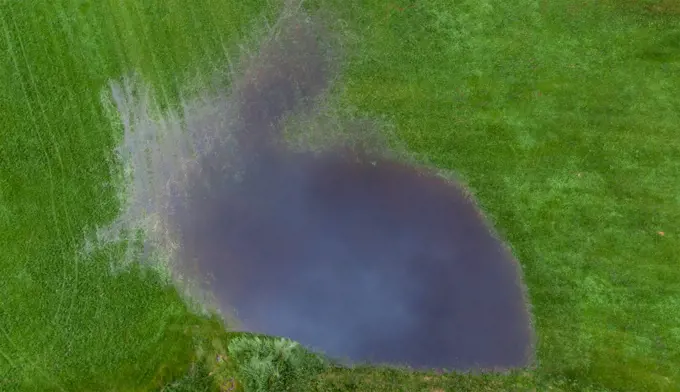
{"x": 354, "y": 254}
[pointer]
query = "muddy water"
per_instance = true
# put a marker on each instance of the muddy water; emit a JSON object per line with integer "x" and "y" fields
{"x": 358, "y": 256}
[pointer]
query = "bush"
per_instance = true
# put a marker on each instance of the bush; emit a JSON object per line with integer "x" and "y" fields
{"x": 273, "y": 364}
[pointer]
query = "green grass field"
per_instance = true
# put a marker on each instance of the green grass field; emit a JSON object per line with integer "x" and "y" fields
{"x": 563, "y": 117}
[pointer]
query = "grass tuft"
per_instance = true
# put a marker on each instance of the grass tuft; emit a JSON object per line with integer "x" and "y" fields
{"x": 267, "y": 364}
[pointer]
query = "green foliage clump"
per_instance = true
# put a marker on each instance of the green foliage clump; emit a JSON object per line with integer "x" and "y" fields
{"x": 273, "y": 364}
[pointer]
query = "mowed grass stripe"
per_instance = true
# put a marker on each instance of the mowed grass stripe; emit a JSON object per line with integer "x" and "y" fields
{"x": 67, "y": 322}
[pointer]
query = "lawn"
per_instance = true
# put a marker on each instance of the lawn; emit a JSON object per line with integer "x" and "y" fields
{"x": 561, "y": 116}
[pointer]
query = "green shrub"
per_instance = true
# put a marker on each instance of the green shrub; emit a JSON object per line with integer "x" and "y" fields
{"x": 273, "y": 364}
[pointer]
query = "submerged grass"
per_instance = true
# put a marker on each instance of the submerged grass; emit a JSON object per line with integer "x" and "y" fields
{"x": 561, "y": 116}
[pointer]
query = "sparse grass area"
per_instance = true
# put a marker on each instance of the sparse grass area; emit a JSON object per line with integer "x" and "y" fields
{"x": 562, "y": 116}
